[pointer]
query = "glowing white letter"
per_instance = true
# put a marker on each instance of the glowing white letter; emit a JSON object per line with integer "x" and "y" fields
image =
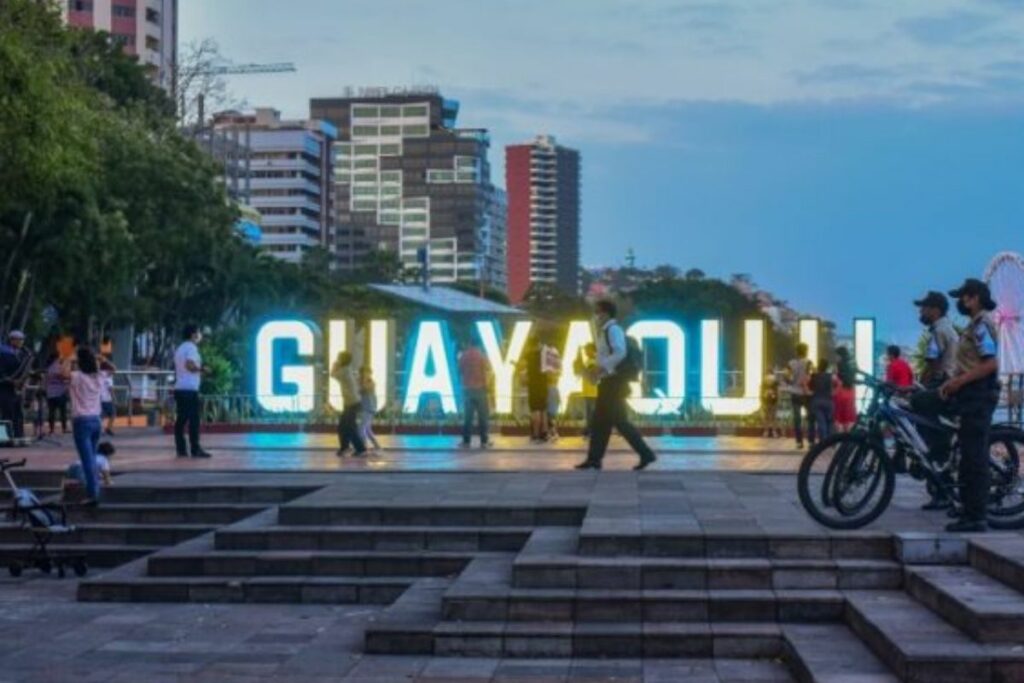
{"x": 670, "y": 401}
{"x": 431, "y": 345}
{"x": 753, "y": 369}
{"x": 339, "y": 338}
{"x": 569, "y": 382}
{"x": 300, "y": 376}
{"x": 504, "y": 368}
{"x": 864, "y": 351}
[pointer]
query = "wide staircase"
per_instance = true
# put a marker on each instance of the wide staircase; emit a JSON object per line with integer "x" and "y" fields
{"x": 551, "y": 582}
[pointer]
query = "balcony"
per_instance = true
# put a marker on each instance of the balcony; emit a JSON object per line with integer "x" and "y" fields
{"x": 285, "y": 184}
{"x": 290, "y": 220}
{"x": 293, "y": 202}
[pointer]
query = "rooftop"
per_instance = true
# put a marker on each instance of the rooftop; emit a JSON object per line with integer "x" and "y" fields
{"x": 447, "y": 299}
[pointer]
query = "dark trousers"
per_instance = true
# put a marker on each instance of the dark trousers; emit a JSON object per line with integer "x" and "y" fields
{"x": 57, "y": 407}
{"x": 610, "y": 412}
{"x": 975, "y": 406}
{"x": 930, "y": 405}
{"x": 475, "y": 401}
{"x": 589, "y": 403}
{"x": 11, "y": 411}
{"x": 186, "y": 405}
{"x": 348, "y": 429}
{"x": 800, "y": 405}
{"x": 822, "y": 413}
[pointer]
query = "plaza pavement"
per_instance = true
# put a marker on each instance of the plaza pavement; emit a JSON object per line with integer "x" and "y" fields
{"x": 712, "y": 488}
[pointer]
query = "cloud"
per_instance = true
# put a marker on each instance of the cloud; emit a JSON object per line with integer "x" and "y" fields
{"x": 846, "y": 74}
{"x": 952, "y": 28}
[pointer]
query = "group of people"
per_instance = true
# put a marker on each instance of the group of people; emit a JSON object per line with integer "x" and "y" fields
{"x": 359, "y": 401}
{"x": 959, "y": 377}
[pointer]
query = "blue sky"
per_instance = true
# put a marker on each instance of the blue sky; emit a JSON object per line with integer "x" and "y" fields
{"x": 849, "y": 154}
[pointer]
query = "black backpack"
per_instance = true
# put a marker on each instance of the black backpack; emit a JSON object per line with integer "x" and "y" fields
{"x": 632, "y": 364}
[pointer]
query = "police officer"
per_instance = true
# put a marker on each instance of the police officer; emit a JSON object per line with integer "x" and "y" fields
{"x": 973, "y": 391}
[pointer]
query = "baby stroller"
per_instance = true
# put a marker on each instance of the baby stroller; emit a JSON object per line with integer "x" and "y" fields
{"x": 45, "y": 521}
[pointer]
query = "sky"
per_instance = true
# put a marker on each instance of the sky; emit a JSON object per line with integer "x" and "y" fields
{"x": 848, "y": 154}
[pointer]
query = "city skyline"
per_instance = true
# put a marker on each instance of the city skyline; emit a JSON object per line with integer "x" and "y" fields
{"x": 825, "y": 142}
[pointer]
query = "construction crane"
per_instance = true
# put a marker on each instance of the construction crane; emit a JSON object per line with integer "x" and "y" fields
{"x": 236, "y": 70}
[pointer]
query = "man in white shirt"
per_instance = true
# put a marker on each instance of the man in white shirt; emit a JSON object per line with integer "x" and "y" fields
{"x": 610, "y": 410}
{"x": 188, "y": 374}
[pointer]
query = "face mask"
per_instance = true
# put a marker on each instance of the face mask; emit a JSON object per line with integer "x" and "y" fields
{"x": 925, "y": 320}
{"x": 963, "y": 309}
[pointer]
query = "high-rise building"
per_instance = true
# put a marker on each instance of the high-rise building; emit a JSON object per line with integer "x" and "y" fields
{"x": 148, "y": 29}
{"x": 543, "y": 183}
{"x": 290, "y": 172}
{"x": 408, "y": 181}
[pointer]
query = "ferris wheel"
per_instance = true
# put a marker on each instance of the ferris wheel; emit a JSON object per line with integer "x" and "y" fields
{"x": 1005, "y": 277}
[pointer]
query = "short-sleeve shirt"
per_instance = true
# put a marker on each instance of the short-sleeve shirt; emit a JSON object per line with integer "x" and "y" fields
{"x": 86, "y": 391}
{"x": 185, "y": 379}
{"x": 473, "y": 369}
{"x": 977, "y": 343}
{"x": 941, "y": 346}
{"x": 899, "y": 373}
{"x": 799, "y": 373}
{"x": 107, "y": 393}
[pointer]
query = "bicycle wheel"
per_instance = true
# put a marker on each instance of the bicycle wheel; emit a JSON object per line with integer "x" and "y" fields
{"x": 1006, "y": 491}
{"x": 846, "y": 481}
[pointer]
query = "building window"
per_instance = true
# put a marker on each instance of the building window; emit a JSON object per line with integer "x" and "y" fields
{"x": 152, "y": 43}
{"x": 79, "y": 5}
{"x": 364, "y": 112}
{"x": 414, "y": 110}
{"x": 125, "y": 11}
{"x": 152, "y": 15}
{"x": 364, "y": 131}
{"x": 414, "y": 131}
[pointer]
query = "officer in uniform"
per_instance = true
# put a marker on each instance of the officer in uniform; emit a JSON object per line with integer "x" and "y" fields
{"x": 973, "y": 392}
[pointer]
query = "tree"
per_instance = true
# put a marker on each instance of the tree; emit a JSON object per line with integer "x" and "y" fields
{"x": 197, "y": 87}
{"x": 695, "y": 274}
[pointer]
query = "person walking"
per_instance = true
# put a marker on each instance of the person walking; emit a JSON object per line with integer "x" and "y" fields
{"x": 586, "y": 367}
{"x": 798, "y": 378}
{"x": 845, "y": 395}
{"x": 188, "y": 375}
{"x": 898, "y": 371}
{"x": 551, "y": 364}
{"x": 56, "y": 395}
{"x": 615, "y": 370}
{"x": 348, "y": 428}
{"x": 474, "y": 374}
{"x": 974, "y": 392}
{"x": 822, "y": 407}
{"x": 85, "y": 387}
{"x": 367, "y": 406}
{"x": 536, "y": 389}
{"x": 770, "y": 407}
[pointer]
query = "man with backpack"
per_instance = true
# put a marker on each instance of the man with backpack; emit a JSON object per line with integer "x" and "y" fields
{"x": 618, "y": 363}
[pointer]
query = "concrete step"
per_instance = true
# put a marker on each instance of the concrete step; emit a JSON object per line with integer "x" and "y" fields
{"x": 569, "y": 571}
{"x": 115, "y": 534}
{"x": 544, "y": 639}
{"x": 920, "y": 647}
{"x": 987, "y": 609}
{"x": 96, "y": 554}
{"x": 309, "y": 563}
{"x": 596, "y": 540}
{"x": 204, "y": 493}
{"x": 1001, "y": 557}
{"x": 33, "y": 479}
{"x": 456, "y": 538}
{"x": 831, "y": 653}
{"x": 164, "y": 513}
{"x": 439, "y": 515}
{"x": 210, "y": 589}
{"x": 483, "y": 602}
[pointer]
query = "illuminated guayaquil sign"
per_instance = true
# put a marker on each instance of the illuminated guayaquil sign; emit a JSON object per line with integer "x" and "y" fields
{"x": 287, "y": 353}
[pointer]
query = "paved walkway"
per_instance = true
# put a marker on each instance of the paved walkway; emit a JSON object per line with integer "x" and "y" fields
{"x": 151, "y": 449}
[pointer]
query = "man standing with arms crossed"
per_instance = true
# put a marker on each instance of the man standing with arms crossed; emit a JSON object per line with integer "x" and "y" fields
{"x": 188, "y": 374}
{"x": 612, "y": 391}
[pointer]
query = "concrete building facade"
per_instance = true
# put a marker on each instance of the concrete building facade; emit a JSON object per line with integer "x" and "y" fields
{"x": 543, "y": 183}
{"x": 148, "y": 29}
{"x": 408, "y": 181}
{"x": 290, "y": 173}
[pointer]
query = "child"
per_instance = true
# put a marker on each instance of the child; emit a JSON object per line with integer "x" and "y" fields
{"x": 73, "y": 477}
{"x": 107, "y": 411}
{"x": 367, "y": 406}
{"x": 770, "y": 407}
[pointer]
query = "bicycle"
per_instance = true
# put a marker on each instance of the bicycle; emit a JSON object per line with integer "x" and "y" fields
{"x": 848, "y": 480}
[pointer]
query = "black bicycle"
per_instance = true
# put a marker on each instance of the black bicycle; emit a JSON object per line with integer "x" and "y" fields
{"x": 847, "y": 480}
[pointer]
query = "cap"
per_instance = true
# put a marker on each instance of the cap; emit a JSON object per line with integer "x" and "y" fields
{"x": 934, "y": 299}
{"x": 975, "y": 287}
{"x": 16, "y": 334}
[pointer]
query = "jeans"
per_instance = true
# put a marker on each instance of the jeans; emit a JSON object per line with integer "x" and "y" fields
{"x": 475, "y": 401}
{"x": 822, "y": 412}
{"x": 57, "y": 406}
{"x": 348, "y": 429}
{"x": 610, "y": 412}
{"x": 800, "y": 404}
{"x": 588, "y": 414}
{"x": 86, "y": 432}
{"x": 186, "y": 405}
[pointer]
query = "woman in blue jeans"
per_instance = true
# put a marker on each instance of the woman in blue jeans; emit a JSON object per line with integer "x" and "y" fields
{"x": 85, "y": 387}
